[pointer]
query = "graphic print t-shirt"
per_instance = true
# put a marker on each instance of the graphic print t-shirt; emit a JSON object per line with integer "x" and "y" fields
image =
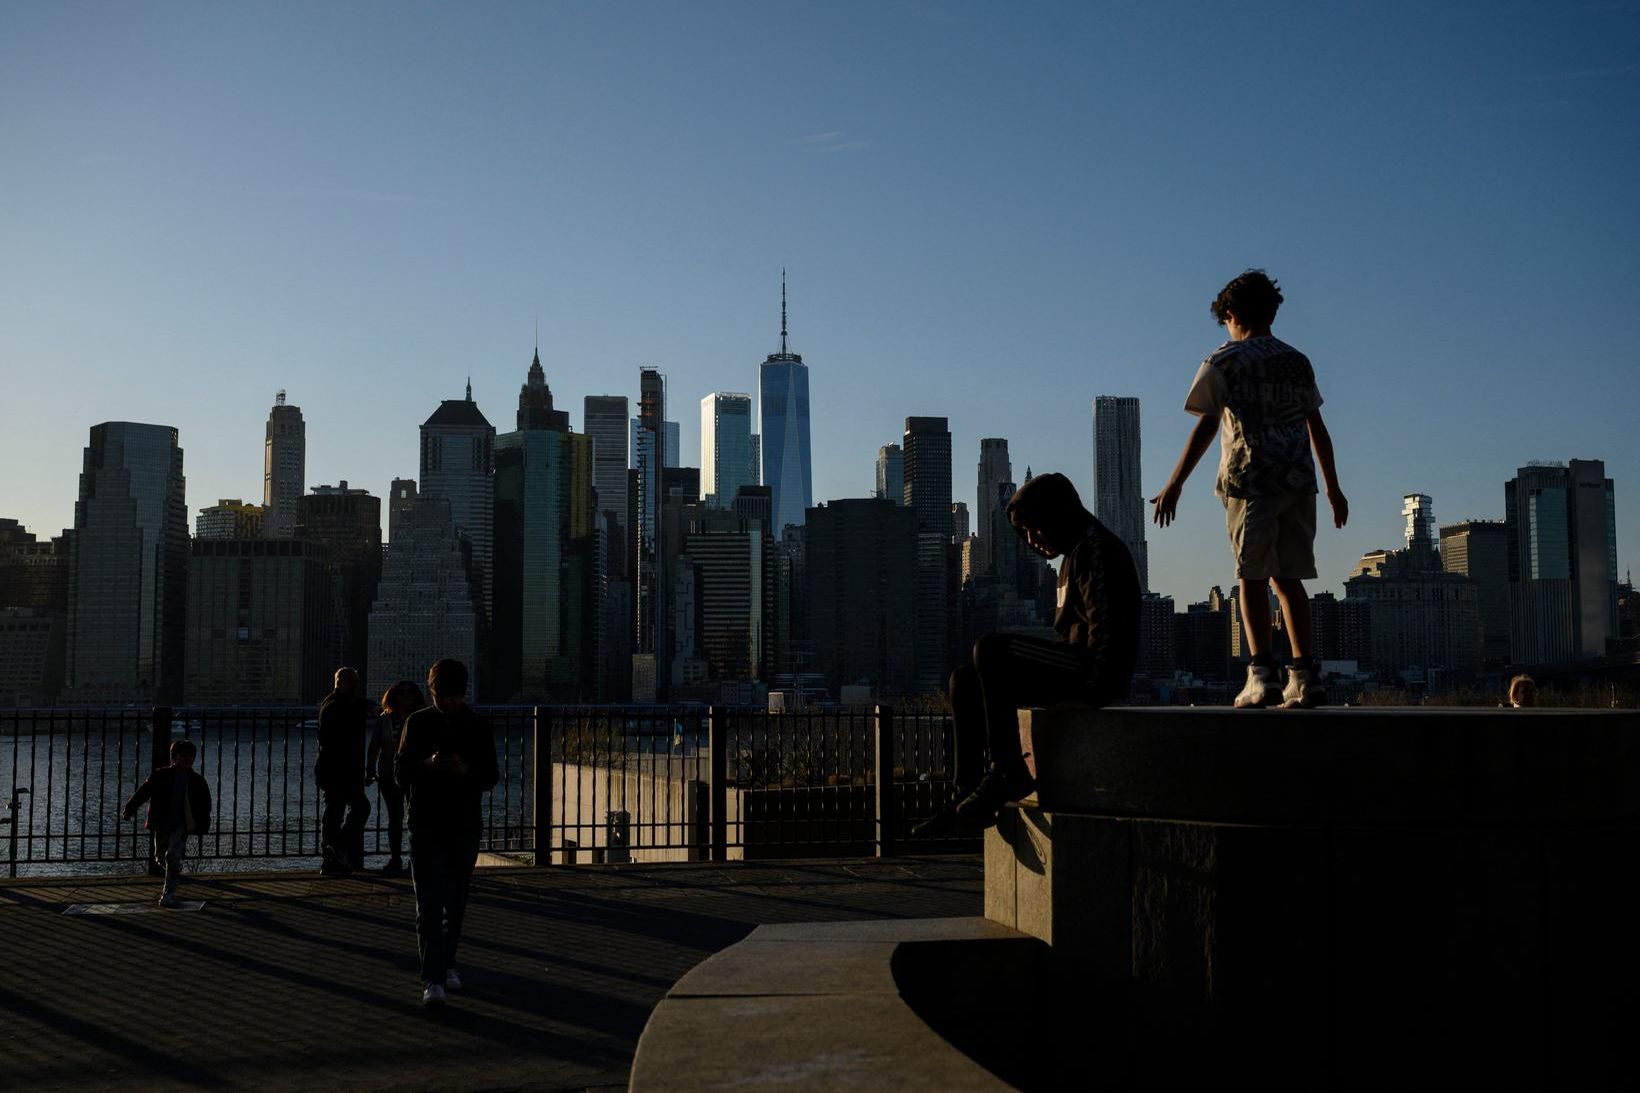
{"x": 1260, "y": 389}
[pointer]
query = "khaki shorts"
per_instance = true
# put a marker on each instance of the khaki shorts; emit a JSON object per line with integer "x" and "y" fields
{"x": 1272, "y": 536}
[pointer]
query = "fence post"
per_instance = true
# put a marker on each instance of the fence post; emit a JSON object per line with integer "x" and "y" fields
{"x": 541, "y": 782}
{"x": 883, "y": 779}
{"x": 717, "y": 743}
{"x": 161, "y": 755}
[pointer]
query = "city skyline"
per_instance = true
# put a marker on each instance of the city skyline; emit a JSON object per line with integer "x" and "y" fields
{"x": 988, "y": 216}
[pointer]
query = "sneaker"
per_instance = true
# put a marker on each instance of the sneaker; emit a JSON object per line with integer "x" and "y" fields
{"x": 167, "y": 899}
{"x": 432, "y": 996}
{"x": 1261, "y": 690}
{"x": 1303, "y": 689}
{"x": 979, "y": 809}
{"x": 452, "y": 979}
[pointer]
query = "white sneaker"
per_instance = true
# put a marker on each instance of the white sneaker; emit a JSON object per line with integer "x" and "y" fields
{"x": 452, "y": 979}
{"x": 1303, "y": 689}
{"x": 1261, "y": 689}
{"x": 432, "y": 995}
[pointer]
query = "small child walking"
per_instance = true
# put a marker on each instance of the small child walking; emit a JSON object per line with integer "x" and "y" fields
{"x": 179, "y": 805}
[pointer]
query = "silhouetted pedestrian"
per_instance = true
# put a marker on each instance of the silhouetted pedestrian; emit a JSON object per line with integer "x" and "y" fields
{"x": 1258, "y": 395}
{"x": 445, "y": 764}
{"x": 179, "y": 805}
{"x": 339, "y": 771}
{"x": 1098, "y": 616}
{"x": 398, "y": 703}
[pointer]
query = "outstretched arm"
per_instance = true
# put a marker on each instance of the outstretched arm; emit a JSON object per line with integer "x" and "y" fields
{"x": 1201, "y": 438}
{"x": 1321, "y": 440}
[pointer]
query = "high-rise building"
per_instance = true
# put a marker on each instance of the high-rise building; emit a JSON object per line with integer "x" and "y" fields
{"x": 1158, "y": 644}
{"x": 458, "y": 464}
{"x": 401, "y": 498}
{"x": 1479, "y": 550}
{"x": 1202, "y": 637}
{"x": 673, "y": 454}
{"x": 545, "y": 559}
{"x": 424, "y": 604}
{"x": 1421, "y": 616}
{"x": 1342, "y": 629}
{"x": 959, "y": 522}
{"x": 927, "y": 449}
{"x": 346, "y": 523}
{"x": 229, "y": 518}
{"x": 996, "y": 474}
{"x": 651, "y": 647}
{"x": 259, "y": 622}
{"x": 129, "y": 567}
{"x": 284, "y": 469}
{"x": 33, "y": 616}
{"x": 1118, "y": 490}
{"x": 732, "y": 558}
{"x": 860, "y": 565}
{"x": 890, "y": 474}
{"x": 725, "y": 447}
{"x": 605, "y": 418}
{"x": 783, "y": 424}
{"x": 1562, "y": 534}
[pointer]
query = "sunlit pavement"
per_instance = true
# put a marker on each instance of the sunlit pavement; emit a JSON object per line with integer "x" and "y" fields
{"x": 288, "y": 980}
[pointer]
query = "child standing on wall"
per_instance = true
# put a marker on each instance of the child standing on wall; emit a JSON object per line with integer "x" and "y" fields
{"x": 1259, "y": 395}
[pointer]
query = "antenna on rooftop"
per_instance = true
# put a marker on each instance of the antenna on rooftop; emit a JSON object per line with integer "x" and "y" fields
{"x": 280, "y": 397}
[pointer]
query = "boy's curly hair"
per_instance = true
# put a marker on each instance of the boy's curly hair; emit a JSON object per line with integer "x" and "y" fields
{"x": 1253, "y": 297}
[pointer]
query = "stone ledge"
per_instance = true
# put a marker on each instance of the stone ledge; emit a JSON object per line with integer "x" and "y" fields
{"x": 1362, "y": 766}
{"x": 840, "y": 1005}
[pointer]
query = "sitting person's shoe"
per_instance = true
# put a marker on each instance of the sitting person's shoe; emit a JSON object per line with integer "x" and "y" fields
{"x": 394, "y": 868}
{"x": 335, "y": 867}
{"x": 1261, "y": 689}
{"x": 452, "y": 979}
{"x": 1303, "y": 690}
{"x": 978, "y": 810}
{"x": 167, "y": 899}
{"x": 432, "y": 996}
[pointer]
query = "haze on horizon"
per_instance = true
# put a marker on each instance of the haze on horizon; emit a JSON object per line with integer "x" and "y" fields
{"x": 987, "y": 214}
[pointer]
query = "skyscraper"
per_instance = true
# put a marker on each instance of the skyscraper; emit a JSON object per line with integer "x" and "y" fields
{"x": 927, "y": 449}
{"x": 1418, "y": 510}
{"x": 229, "y": 518}
{"x": 1479, "y": 549}
{"x": 260, "y": 616}
{"x": 861, "y": 575}
{"x": 284, "y": 468}
{"x": 651, "y": 648}
{"x": 1118, "y": 493}
{"x": 424, "y": 604}
{"x": 891, "y": 474}
{"x": 128, "y": 568}
{"x": 605, "y": 418}
{"x": 458, "y": 464}
{"x": 783, "y": 425}
{"x": 996, "y": 474}
{"x": 544, "y": 523}
{"x": 401, "y": 498}
{"x": 725, "y": 447}
{"x": 1562, "y": 532}
{"x": 347, "y": 524}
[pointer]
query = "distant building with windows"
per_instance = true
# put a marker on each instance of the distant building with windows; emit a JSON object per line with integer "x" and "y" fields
{"x": 284, "y": 468}
{"x": 783, "y": 425}
{"x": 259, "y": 622}
{"x": 890, "y": 476}
{"x": 860, "y": 568}
{"x": 726, "y": 449}
{"x": 229, "y": 518}
{"x": 346, "y": 523}
{"x": 1118, "y": 491}
{"x": 1479, "y": 550}
{"x": 1561, "y": 525}
{"x": 424, "y": 607}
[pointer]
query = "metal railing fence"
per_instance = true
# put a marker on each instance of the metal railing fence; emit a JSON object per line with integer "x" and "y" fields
{"x": 578, "y": 783}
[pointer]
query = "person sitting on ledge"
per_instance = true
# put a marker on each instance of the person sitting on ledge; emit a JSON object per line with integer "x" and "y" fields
{"x": 1098, "y": 616}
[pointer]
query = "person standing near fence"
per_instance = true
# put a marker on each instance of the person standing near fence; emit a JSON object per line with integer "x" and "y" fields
{"x": 445, "y": 764}
{"x": 179, "y": 805}
{"x": 339, "y": 771}
{"x": 398, "y": 703}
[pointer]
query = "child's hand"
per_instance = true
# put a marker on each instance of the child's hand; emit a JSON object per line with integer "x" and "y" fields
{"x": 1167, "y": 503}
{"x": 1340, "y": 506}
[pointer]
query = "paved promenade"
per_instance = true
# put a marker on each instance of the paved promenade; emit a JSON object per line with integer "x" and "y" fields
{"x": 296, "y": 981}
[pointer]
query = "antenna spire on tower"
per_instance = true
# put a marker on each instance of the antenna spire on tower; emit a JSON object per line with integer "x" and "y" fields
{"x": 469, "y": 388}
{"x": 782, "y": 311}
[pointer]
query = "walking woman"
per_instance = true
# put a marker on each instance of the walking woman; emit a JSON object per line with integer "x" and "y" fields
{"x": 398, "y": 703}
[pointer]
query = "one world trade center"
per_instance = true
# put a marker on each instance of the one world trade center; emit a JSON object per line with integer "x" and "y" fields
{"x": 783, "y": 410}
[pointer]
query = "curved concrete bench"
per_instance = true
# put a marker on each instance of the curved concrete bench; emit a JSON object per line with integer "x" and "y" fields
{"x": 1338, "y": 898}
{"x": 908, "y": 1003}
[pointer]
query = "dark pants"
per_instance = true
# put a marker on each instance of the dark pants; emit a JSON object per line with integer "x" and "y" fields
{"x": 172, "y": 848}
{"x": 1010, "y": 671}
{"x": 441, "y": 865}
{"x": 393, "y": 804}
{"x": 344, "y": 839}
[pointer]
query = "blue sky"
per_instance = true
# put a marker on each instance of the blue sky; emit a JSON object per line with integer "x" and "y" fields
{"x": 989, "y": 212}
